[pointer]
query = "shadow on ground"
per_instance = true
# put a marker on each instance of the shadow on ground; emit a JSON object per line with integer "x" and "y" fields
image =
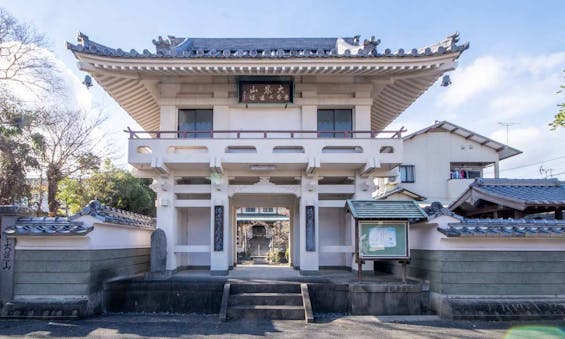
{"x": 144, "y": 325}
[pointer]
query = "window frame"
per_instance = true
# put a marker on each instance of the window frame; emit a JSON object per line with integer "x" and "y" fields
{"x": 409, "y": 169}
{"x": 333, "y": 133}
{"x": 197, "y": 111}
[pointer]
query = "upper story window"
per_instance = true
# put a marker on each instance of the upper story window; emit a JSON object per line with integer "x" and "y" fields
{"x": 250, "y": 210}
{"x": 268, "y": 210}
{"x": 406, "y": 173}
{"x": 334, "y": 120}
{"x": 195, "y": 120}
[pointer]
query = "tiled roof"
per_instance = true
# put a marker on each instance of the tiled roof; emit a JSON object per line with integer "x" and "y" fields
{"x": 385, "y": 209}
{"x": 48, "y": 226}
{"x": 114, "y": 215}
{"x": 436, "y": 209}
{"x": 71, "y": 226}
{"x": 401, "y": 190}
{"x": 174, "y": 47}
{"x": 504, "y": 151}
{"x": 505, "y": 228}
{"x": 515, "y": 193}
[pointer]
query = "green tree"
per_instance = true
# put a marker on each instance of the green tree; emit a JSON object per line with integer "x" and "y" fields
{"x": 23, "y": 68}
{"x": 112, "y": 186}
{"x": 19, "y": 149}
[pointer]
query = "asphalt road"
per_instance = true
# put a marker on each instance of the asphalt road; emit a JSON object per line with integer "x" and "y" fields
{"x": 145, "y": 326}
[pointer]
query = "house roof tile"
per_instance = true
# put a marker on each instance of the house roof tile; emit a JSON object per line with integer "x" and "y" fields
{"x": 386, "y": 210}
{"x": 505, "y": 228}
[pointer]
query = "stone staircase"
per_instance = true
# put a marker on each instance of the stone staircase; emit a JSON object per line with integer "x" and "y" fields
{"x": 269, "y": 300}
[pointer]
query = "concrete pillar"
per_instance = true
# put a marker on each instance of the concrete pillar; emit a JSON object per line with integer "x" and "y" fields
{"x": 220, "y": 244}
{"x": 169, "y": 121}
{"x": 295, "y": 215}
{"x": 309, "y": 255}
{"x": 309, "y": 120}
{"x": 496, "y": 170}
{"x": 364, "y": 188}
{"x": 362, "y": 120}
{"x": 167, "y": 215}
{"x": 220, "y": 120}
{"x": 8, "y": 217}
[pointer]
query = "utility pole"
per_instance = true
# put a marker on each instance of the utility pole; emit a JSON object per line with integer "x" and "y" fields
{"x": 507, "y": 125}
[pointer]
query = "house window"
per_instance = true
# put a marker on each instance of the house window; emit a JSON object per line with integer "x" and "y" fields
{"x": 195, "y": 120}
{"x": 268, "y": 210}
{"x": 250, "y": 210}
{"x": 406, "y": 173}
{"x": 334, "y": 120}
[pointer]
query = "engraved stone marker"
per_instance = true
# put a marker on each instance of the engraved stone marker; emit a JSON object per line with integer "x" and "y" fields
{"x": 158, "y": 256}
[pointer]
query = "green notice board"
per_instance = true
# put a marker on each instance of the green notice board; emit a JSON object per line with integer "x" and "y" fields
{"x": 383, "y": 240}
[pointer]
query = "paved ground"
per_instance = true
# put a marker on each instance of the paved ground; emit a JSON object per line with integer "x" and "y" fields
{"x": 136, "y": 326}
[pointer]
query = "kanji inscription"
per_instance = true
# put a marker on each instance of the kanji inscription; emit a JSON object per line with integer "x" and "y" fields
{"x": 265, "y": 92}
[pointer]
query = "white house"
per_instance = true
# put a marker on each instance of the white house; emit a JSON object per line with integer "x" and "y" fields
{"x": 441, "y": 160}
{"x": 297, "y": 123}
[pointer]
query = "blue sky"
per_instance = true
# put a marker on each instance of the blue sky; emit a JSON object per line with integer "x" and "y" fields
{"x": 511, "y": 73}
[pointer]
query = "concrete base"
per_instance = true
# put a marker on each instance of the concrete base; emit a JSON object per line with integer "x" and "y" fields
{"x": 191, "y": 292}
{"x": 46, "y": 309}
{"x": 499, "y": 308}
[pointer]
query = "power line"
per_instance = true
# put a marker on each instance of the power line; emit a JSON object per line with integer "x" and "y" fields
{"x": 532, "y": 164}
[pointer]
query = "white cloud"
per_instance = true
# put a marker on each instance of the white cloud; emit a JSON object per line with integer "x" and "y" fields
{"x": 511, "y": 88}
{"x": 483, "y": 74}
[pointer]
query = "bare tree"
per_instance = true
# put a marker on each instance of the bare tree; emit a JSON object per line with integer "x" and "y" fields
{"x": 23, "y": 58}
{"x": 70, "y": 147}
{"x": 23, "y": 63}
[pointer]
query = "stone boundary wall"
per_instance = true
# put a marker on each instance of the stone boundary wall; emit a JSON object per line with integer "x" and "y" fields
{"x": 490, "y": 284}
{"x": 69, "y": 283}
{"x": 488, "y": 272}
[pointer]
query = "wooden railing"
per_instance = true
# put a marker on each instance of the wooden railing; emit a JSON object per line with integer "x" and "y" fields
{"x": 264, "y": 134}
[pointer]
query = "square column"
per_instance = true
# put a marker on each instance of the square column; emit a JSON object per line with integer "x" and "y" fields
{"x": 169, "y": 120}
{"x": 364, "y": 189}
{"x": 309, "y": 230}
{"x": 362, "y": 119}
{"x": 220, "y": 244}
{"x": 167, "y": 216}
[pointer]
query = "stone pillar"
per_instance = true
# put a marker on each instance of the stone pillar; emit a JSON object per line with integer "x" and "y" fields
{"x": 309, "y": 230}
{"x": 8, "y": 217}
{"x": 167, "y": 216}
{"x": 220, "y": 245}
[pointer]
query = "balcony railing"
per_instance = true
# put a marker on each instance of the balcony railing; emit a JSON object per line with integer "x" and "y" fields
{"x": 264, "y": 134}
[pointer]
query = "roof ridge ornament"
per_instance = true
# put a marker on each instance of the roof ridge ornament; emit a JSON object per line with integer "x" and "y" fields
{"x": 82, "y": 39}
{"x": 165, "y": 45}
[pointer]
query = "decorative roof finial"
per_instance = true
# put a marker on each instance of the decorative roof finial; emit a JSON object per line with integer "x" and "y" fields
{"x": 82, "y": 39}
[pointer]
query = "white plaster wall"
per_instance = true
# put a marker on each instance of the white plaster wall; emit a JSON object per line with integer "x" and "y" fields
{"x": 432, "y": 153}
{"x": 104, "y": 236}
{"x": 193, "y": 230}
{"x": 332, "y": 233}
{"x": 265, "y": 118}
{"x": 424, "y": 236}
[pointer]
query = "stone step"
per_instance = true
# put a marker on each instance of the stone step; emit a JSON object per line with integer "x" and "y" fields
{"x": 279, "y": 312}
{"x": 265, "y": 288}
{"x": 292, "y": 299}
